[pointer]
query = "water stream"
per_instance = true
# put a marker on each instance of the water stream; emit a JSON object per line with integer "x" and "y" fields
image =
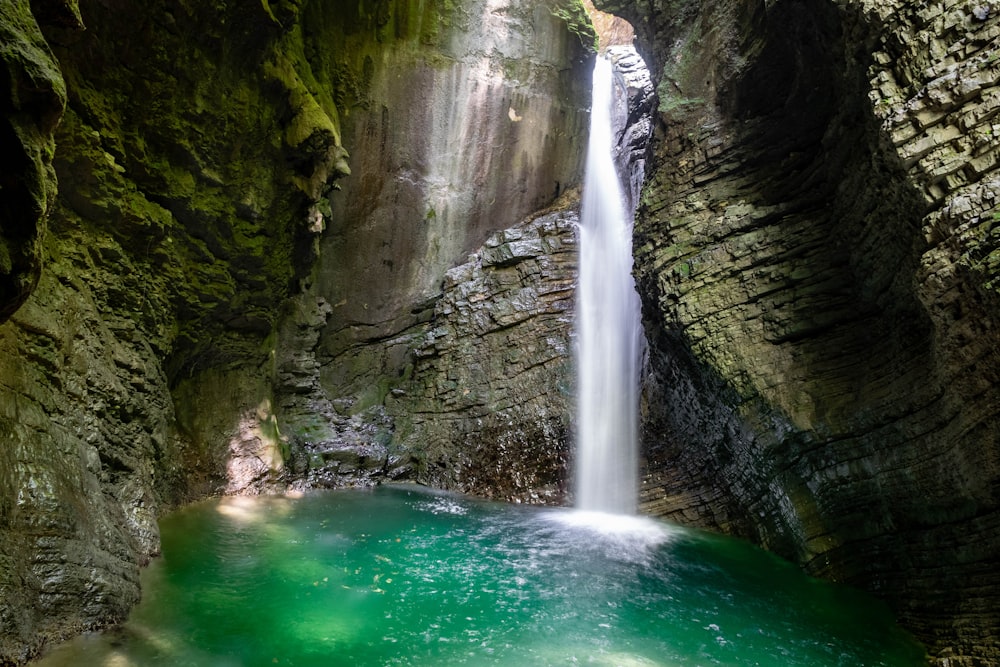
{"x": 608, "y": 326}
{"x": 404, "y": 576}
{"x": 407, "y": 576}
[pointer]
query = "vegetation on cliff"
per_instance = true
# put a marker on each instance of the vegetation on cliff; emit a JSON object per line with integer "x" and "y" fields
{"x": 817, "y": 255}
{"x": 30, "y": 109}
{"x": 817, "y": 249}
{"x": 198, "y": 159}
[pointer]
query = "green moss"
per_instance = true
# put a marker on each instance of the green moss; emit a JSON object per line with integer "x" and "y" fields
{"x": 342, "y": 45}
{"x": 267, "y": 10}
{"x": 671, "y": 102}
{"x": 6, "y": 264}
{"x": 23, "y": 49}
{"x": 309, "y": 116}
{"x": 373, "y": 396}
{"x": 682, "y": 72}
{"x": 577, "y": 20}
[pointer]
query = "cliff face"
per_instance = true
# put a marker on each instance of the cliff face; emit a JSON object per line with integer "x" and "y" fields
{"x": 489, "y": 405}
{"x": 182, "y": 207}
{"x": 32, "y": 104}
{"x": 817, "y": 251}
{"x": 496, "y": 132}
{"x": 169, "y": 346}
{"x": 222, "y": 300}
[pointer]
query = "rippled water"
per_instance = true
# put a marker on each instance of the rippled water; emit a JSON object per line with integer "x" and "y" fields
{"x": 402, "y": 576}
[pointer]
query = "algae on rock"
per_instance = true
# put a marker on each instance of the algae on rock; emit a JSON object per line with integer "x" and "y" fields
{"x": 181, "y": 225}
{"x": 462, "y": 119}
{"x": 180, "y": 327}
{"x": 33, "y": 99}
{"x": 813, "y": 250}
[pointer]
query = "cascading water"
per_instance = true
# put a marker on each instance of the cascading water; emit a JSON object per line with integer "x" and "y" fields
{"x": 608, "y": 326}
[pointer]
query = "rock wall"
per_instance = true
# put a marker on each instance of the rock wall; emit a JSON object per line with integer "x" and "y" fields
{"x": 175, "y": 334}
{"x": 482, "y": 404}
{"x": 186, "y": 179}
{"x": 489, "y": 406}
{"x": 465, "y": 386}
{"x": 458, "y": 128}
{"x": 816, "y": 250}
{"x": 32, "y": 104}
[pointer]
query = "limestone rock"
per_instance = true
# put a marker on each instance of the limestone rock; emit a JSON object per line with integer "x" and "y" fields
{"x": 180, "y": 342}
{"x": 457, "y": 127}
{"x": 134, "y": 376}
{"x": 816, "y": 255}
{"x": 488, "y": 408}
{"x": 632, "y": 116}
{"x": 31, "y": 105}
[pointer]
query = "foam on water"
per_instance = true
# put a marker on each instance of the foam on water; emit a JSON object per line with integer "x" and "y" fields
{"x": 403, "y": 577}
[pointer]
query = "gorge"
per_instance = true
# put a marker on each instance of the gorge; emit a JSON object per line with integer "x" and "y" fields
{"x": 262, "y": 246}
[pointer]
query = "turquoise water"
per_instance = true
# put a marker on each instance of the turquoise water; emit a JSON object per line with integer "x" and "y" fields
{"x": 401, "y": 576}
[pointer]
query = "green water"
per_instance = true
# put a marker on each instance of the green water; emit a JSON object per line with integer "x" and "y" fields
{"x": 400, "y": 576}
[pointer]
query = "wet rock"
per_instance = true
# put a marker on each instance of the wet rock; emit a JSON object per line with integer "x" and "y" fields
{"x": 488, "y": 408}
{"x": 818, "y": 270}
{"x": 32, "y": 103}
{"x": 489, "y": 128}
{"x": 428, "y": 244}
{"x": 172, "y": 242}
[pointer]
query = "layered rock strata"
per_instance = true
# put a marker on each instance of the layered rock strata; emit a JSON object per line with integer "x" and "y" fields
{"x": 489, "y": 406}
{"x": 816, "y": 252}
{"x": 495, "y": 134}
{"x": 174, "y": 322}
{"x": 182, "y": 210}
{"x": 482, "y": 404}
{"x": 466, "y": 388}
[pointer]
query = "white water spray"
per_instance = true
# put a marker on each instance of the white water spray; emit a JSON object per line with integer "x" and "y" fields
{"x": 608, "y": 326}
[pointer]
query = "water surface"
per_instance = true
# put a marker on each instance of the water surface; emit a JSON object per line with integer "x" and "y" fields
{"x": 402, "y": 576}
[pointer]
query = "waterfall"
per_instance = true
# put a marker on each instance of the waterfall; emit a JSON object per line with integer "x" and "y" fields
{"x": 608, "y": 326}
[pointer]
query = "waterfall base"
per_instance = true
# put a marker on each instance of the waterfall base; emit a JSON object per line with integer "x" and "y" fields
{"x": 401, "y": 576}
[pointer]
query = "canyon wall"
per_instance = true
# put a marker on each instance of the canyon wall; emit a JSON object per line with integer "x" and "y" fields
{"x": 453, "y": 136}
{"x": 817, "y": 250}
{"x": 172, "y": 180}
{"x": 184, "y": 182}
{"x": 265, "y": 245}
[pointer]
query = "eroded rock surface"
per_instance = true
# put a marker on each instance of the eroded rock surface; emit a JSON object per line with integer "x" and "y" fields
{"x": 31, "y": 104}
{"x": 816, "y": 249}
{"x": 489, "y": 405}
{"x": 183, "y": 207}
{"x": 481, "y": 127}
{"x": 175, "y": 345}
{"x": 459, "y": 128}
{"x": 482, "y": 404}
